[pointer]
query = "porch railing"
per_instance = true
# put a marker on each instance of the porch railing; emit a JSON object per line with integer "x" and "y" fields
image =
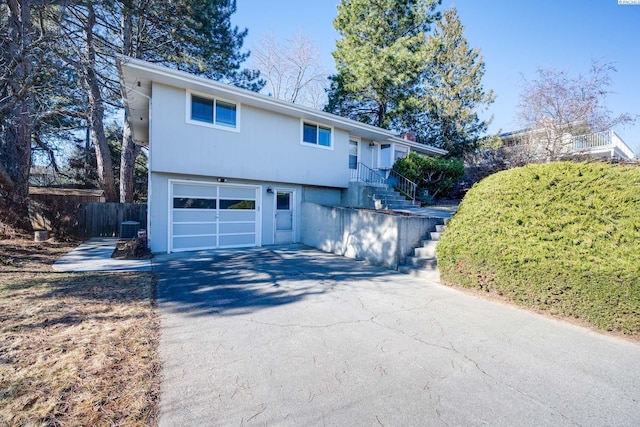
{"x": 390, "y": 179}
{"x": 403, "y": 184}
{"x": 364, "y": 173}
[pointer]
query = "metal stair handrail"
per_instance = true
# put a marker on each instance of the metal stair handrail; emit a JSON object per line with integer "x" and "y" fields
{"x": 363, "y": 173}
{"x": 403, "y": 184}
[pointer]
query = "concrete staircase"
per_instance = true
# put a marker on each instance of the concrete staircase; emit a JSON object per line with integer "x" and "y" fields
{"x": 387, "y": 198}
{"x": 423, "y": 263}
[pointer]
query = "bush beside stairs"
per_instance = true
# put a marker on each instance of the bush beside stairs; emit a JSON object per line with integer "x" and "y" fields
{"x": 423, "y": 263}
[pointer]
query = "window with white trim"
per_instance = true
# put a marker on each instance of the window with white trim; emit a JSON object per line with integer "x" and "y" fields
{"x": 316, "y": 134}
{"x": 212, "y": 111}
{"x": 353, "y": 154}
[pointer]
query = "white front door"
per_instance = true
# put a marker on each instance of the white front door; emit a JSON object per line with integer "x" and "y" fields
{"x": 284, "y": 216}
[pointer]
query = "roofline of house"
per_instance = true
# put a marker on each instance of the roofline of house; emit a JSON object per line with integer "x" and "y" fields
{"x": 262, "y": 100}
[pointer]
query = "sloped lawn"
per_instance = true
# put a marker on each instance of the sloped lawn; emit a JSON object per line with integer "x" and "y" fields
{"x": 75, "y": 349}
{"x": 561, "y": 237}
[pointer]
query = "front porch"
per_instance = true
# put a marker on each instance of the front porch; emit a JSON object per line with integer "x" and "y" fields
{"x": 379, "y": 189}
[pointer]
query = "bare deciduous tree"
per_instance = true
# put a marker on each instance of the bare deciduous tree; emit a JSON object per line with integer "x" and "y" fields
{"x": 555, "y": 106}
{"x": 292, "y": 70}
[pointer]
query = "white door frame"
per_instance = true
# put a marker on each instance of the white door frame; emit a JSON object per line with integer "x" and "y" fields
{"x": 294, "y": 211}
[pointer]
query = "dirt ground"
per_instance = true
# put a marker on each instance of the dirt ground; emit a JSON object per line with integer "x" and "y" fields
{"x": 75, "y": 349}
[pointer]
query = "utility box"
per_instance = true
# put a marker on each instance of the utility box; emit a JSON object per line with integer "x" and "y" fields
{"x": 129, "y": 229}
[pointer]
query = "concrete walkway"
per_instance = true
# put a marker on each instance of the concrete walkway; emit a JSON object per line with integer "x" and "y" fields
{"x": 435, "y": 211}
{"x": 444, "y": 211}
{"x": 293, "y": 336}
{"x": 95, "y": 255}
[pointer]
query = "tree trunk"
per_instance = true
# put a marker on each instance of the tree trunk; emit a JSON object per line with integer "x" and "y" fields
{"x": 96, "y": 113}
{"x": 15, "y": 135}
{"x": 127, "y": 163}
{"x": 129, "y": 150}
{"x": 381, "y": 114}
{"x": 15, "y": 152}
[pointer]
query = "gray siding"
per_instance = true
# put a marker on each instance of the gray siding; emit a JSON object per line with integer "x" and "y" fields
{"x": 158, "y": 231}
{"x": 158, "y": 218}
{"x": 267, "y": 147}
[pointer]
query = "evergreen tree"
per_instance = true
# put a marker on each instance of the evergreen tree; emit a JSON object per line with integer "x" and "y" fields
{"x": 380, "y": 57}
{"x": 189, "y": 35}
{"x": 453, "y": 91}
{"x": 32, "y": 92}
{"x": 392, "y": 74}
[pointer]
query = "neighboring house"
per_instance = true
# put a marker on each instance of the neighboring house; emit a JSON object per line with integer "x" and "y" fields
{"x": 539, "y": 145}
{"x": 231, "y": 168}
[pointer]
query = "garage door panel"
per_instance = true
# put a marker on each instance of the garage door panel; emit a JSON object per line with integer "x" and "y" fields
{"x": 193, "y": 242}
{"x": 192, "y": 229}
{"x": 194, "y": 190}
{"x": 237, "y": 204}
{"x": 238, "y": 193}
{"x": 230, "y": 228}
{"x": 239, "y": 215}
{"x": 188, "y": 215}
{"x": 237, "y": 240}
{"x": 194, "y": 203}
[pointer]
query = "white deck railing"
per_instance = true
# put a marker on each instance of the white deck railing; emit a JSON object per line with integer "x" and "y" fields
{"x": 602, "y": 140}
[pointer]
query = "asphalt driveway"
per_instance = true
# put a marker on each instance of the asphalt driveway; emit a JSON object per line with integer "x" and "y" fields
{"x": 293, "y": 336}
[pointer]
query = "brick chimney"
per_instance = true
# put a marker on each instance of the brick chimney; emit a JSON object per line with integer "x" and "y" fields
{"x": 408, "y": 136}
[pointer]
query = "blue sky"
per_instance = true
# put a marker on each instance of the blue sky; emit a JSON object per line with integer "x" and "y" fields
{"x": 515, "y": 38}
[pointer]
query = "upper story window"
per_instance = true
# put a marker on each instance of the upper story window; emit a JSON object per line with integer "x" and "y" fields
{"x": 317, "y": 135}
{"x": 212, "y": 111}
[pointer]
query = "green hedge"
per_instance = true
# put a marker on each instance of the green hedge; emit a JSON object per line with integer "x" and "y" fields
{"x": 434, "y": 176}
{"x": 562, "y": 237}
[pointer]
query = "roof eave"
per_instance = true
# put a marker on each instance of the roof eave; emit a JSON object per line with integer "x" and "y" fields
{"x": 161, "y": 74}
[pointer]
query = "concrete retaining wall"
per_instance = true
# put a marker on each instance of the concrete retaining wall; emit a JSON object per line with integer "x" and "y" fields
{"x": 379, "y": 238}
{"x": 358, "y": 194}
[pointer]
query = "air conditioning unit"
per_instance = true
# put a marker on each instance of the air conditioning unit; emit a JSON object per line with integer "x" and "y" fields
{"x": 129, "y": 229}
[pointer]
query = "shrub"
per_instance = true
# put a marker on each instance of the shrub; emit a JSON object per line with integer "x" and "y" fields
{"x": 562, "y": 237}
{"x": 434, "y": 176}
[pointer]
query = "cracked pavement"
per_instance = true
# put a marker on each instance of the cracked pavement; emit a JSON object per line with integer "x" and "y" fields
{"x": 292, "y": 336}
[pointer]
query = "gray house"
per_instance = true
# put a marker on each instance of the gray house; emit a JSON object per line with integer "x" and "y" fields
{"x": 231, "y": 168}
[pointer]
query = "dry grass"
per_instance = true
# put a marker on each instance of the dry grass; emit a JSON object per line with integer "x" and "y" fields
{"x": 75, "y": 349}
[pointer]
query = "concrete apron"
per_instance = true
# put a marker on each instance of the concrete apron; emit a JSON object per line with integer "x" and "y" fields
{"x": 294, "y": 336}
{"x": 94, "y": 255}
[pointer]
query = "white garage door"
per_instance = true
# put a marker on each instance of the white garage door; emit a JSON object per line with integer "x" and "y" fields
{"x": 211, "y": 216}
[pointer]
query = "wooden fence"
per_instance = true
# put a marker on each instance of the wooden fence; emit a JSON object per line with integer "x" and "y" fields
{"x": 104, "y": 219}
{"x": 86, "y": 220}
